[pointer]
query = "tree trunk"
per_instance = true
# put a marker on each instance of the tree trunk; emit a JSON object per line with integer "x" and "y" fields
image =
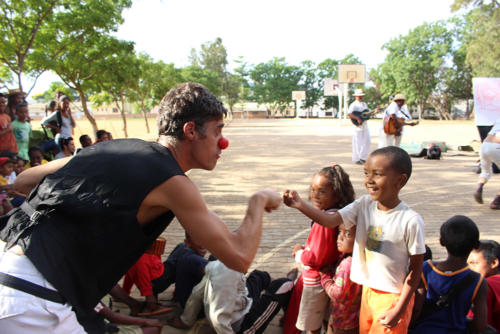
{"x": 420, "y": 109}
{"x": 86, "y": 110}
{"x": 124, "y": 118}
{"x": 145, "y": 116}
{"x": 19, "y": 81}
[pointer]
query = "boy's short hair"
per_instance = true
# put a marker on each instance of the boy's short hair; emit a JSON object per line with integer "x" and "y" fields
{"x": 100, "y": 133}
{"x": 459, "y": 235}
{"x": 399, "y": 159}
{"x": 490, "y": 249}
{"x": 187, "y": 102}
{"x": 34, "y": 149}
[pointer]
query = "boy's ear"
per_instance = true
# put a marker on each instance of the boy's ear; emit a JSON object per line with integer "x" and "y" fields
{"x": 494, "y": 264}
{"x": 403, "y": 179}
{"x": 189, "y": 130}
{"x": 441, "y": 242}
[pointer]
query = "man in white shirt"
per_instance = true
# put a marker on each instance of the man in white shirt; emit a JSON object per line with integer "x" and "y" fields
{"x": 361, "y": 136}
{"x": 401, "y": 115}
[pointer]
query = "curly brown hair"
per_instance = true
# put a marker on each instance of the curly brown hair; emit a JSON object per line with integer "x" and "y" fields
{"x": 341, "y": 185}
{"x": 187, "y": 102}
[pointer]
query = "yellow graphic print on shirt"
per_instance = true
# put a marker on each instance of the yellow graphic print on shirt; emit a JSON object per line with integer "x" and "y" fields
{"x": 374, "y": 239}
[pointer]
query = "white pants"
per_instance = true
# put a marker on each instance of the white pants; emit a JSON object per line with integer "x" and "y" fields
{"x": 24, "y": 313}
{"x": 490, "y": 153}
{"x": 388, "y": 140}
{"x": 361, "y": 143}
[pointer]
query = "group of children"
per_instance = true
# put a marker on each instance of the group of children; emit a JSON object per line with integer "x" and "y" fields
{"x": 375, "y": 278}
{"x": 363, "y": 263}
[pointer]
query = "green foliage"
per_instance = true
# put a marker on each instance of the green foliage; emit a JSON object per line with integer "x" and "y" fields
{"x": 34, "y": 31}
{"x": 209, "y": 79}
{"x": 413, "y": 62}
{"x": 273, "y": 82}
{"x": 50, "y": 93}
{"x": 483, "y": 49}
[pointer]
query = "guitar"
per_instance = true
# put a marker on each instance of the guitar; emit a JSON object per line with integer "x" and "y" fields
{"x": 364, "y": 115}
{"x": 394, "y": 125}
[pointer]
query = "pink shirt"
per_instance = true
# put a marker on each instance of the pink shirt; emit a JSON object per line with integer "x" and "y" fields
{"x": 345, "y": 296}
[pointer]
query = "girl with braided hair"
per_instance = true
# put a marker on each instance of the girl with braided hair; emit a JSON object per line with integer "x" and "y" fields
{"x": 330, "y": 190}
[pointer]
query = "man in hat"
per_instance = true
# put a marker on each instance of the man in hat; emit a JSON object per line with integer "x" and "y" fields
{"x": 400, "y": 115}
{"x": 361, "y": 137}
{"x": 81, "y": 228}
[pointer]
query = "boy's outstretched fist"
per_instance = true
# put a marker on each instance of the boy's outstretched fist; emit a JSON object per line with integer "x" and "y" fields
{"x": 291, "y": 198}
{"x": 272, "y": 199}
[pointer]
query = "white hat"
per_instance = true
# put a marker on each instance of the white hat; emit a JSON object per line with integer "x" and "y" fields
{"x": 399, "y": 97}
{"x": 358, "y": 92}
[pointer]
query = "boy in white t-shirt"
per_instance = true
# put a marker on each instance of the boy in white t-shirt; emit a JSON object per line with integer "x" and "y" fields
{"x": 389, "y": 247}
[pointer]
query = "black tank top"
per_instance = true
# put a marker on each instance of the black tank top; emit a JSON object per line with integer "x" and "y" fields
{"x": 88, "y": 235}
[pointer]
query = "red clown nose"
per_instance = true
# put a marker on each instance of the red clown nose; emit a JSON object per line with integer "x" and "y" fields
{"x": 223, "y": 143}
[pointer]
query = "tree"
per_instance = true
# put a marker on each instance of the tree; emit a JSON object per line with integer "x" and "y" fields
{"x": 233, "y": 90}
{"x": 79, "y": 48}
{"x": 54, "y": 87}
{"x": 414, "y": 61}
{"x": 119, "y": 77}
{"x": 33, "y": 30}
{"x": 483, "y": 49}
{"x": 154, "y": 80}
{"x": 206, "y": 77}
{"x": 310, "y": 82}
{"x": 273, "y": 82}
{"x": 80, "y": 67}
{"x": 212, "y": 57}
{"x": 21, "y": 25}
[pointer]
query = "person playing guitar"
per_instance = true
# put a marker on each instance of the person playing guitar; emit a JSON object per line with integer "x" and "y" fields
{"x": 395, "y": 118}
{"x": 358, "y": 113}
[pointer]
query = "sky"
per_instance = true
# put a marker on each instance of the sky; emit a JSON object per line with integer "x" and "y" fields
{"x": 259, "y": 30}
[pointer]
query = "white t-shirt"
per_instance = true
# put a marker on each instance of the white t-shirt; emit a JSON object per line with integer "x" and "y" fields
{"x": 358, "y": 106}
{"x": 384, "y": 242}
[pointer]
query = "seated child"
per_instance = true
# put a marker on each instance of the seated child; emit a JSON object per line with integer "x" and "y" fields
{"x": 124, "y": 323}
{"x": 330, "y": 190}
{"x": 6, "y": 168}
{"x": 345, "y": 295}
{"x": 460, "y": 236}
{"x": 36, "y": 157}
{"x": 152, "y": 276}
{"x": 486, "y": 261}
{"x": 189, "y": 270}
{"x": 234, "y": 303}
{"x": 389, "y": 246}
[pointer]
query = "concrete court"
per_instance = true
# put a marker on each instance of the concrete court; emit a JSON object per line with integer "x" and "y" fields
{"x": 280, "y": 154}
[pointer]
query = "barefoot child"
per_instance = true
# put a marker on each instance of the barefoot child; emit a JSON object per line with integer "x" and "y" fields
{"x": 389, "y": 246}
{"x": 345, "y": 295}
{"x": 330, "y": 190}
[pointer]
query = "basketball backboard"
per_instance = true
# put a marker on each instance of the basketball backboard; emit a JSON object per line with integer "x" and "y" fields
{"x": 352, "y": 73}
{"x": 330, "y": 87}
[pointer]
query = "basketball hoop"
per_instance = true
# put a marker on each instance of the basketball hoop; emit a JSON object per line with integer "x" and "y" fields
{"x": 351, "y": 73}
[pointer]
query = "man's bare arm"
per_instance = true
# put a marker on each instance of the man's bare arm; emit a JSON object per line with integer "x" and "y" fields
{"x": 28, "y": 179}
{"x": 235, "y": 249}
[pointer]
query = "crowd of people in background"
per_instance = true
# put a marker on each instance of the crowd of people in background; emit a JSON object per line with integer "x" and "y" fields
{"x": 16, "y": 150}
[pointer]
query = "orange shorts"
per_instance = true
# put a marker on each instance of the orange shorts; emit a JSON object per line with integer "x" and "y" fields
{"x": 373, "y": 304}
